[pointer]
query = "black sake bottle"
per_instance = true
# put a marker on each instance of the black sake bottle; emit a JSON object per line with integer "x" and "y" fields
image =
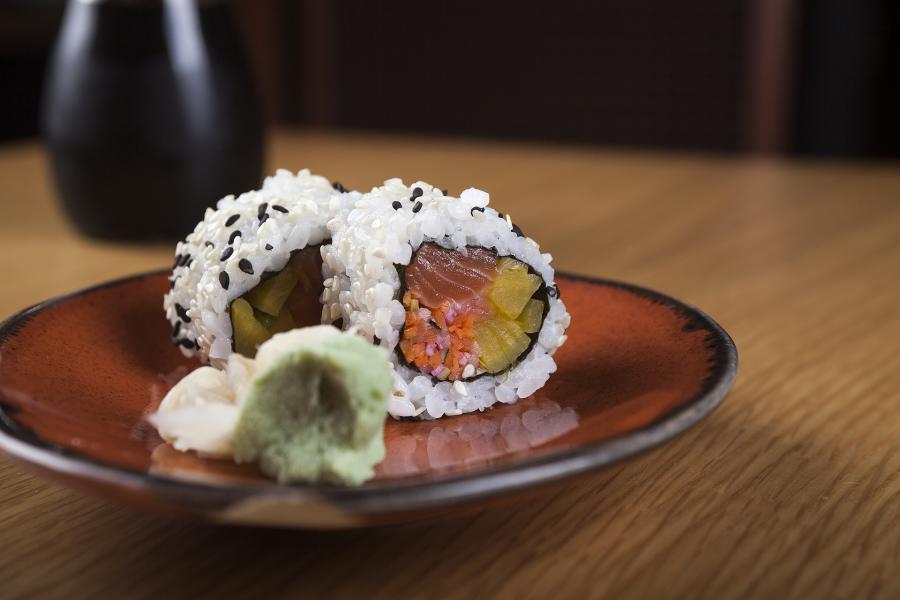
{"x": 150, "y": 116}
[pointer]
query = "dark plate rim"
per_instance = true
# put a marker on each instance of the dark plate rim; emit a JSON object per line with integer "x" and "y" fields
{"x": 21, "y": 444}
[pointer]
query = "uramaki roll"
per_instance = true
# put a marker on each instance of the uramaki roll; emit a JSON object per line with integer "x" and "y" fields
{"x": 253, "y": 267}
{"x": 465, "y": 302}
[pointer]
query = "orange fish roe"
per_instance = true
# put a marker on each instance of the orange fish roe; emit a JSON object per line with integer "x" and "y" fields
{"x": 439, "y": 341}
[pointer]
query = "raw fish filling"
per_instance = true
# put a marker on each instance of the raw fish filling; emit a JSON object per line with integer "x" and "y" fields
{"x": 468, "y": 312}
{"x": 284, "y": 301}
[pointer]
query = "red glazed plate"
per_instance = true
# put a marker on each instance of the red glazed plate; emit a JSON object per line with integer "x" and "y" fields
{"x": 79, "y": 375}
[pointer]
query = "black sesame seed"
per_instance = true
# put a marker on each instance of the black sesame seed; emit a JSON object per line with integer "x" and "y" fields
{"x": 476, "y": 209}
{"x": 264, "y": 218}
{"x": 416, "y": 193}
{"x": 226, "y": 253}
{"x": 232, "y": 220}
{"x": 172, "y": 284}
{"x": 339, "y": 187}
{"x": 269, "y": 246}
{"x": 209, "y": 244}
{"x": 501, "y": 215}
{"x": 234, "y": 235}
{"x": 262, "y": 210}
{"x": 177, "y": 329}
{"x": 177, "y": 261}
{"x": 182, "y": 313}
{"x": 517, "y": 230}
{"x": 444, "y": 191}
{"x": 396, "y": 204}
{"x": 417, "y": 207}
{"x": 224, "y": 280}
{"x": 279, "y": 208}
{"x": 376, "y": 340}
{"x": 246, "y": 266}
{"x": 189, "y": 344}
{"x": 553, "y": 291}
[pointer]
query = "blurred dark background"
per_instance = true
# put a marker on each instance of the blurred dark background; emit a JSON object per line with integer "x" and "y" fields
{"x": 774, "y": 76}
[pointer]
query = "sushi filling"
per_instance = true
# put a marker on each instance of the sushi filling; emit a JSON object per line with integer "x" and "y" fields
{"x": 468, "y": 312}
{"x": 282, "y": 301}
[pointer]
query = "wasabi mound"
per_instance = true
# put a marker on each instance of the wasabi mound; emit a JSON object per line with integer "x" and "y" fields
{"x": 315, "y": 409}
{"x": 309, "y": 408}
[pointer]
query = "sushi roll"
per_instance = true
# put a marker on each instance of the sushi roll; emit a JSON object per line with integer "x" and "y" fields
{"x": 465, "y": 303}
{"x": 253, "y": 267}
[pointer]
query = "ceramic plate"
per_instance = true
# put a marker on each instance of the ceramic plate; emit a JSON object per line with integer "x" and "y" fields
{"x": 79, "y": 375}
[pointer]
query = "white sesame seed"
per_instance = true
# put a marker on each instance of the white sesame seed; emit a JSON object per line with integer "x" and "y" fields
{"x": 460, "y": 387}
{"x": 468, "y": 371}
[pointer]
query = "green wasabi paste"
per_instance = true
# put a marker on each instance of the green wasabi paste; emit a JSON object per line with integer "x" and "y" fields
{"x": 315, "y": 409}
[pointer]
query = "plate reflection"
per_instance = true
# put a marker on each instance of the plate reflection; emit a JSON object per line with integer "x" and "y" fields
{"x": 468, "y": 440}
{"x": 413, "y": 448}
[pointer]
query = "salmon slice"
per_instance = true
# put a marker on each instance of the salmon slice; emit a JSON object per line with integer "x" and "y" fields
{"x": 436, "y": 275}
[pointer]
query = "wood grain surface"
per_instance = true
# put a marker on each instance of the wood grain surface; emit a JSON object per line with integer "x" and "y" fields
{"x": 791, "y": 489}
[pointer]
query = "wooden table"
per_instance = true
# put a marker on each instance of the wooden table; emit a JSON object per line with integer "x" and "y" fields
{"x": 790, "y": 489}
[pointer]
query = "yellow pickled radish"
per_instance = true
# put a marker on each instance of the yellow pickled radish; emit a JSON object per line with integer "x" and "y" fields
{"x": 511, "y": 291}
{"x": 264, "y": 318}
{"x": 501, "y": 341}
{"x": 283, "y": 322}
{"x": 530, "y": 319}
{"x": 270, "y": 295}
{"x": 508, "y": 263}
{"x": 247, "y": 332}
{"x": 514, "y": 338}
{"x": 491, "y": 355}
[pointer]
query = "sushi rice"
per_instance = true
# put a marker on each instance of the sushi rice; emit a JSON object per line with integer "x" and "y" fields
{"x": 362, "y": 285}
{"x": 235, "y": 243}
